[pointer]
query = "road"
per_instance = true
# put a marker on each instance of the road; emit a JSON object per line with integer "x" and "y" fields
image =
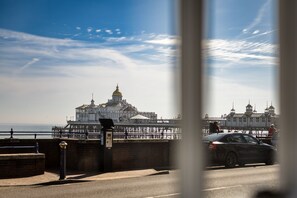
{"x": 219, "y": 182}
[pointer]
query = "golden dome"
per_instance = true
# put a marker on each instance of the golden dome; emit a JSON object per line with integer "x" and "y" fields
{"x": 117, "y": 92}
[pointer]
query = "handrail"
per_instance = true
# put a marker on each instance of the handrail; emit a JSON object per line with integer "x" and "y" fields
{"x": 12, "y": 134}
{"x": 117, "y": 134}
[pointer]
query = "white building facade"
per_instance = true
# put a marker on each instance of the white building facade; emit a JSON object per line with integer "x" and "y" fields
{"x": 117, "y": 109}
{"x": 251, "y": 118}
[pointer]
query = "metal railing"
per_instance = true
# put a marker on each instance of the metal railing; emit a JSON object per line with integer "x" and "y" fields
{"x": 118, "y": 135}
{"x": 26, "y": 134}
{"x": 169, "y": 135}
{"x": 87, "y": 135}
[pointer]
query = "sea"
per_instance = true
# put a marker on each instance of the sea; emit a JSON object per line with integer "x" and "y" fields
{"x": 26, "y": 131}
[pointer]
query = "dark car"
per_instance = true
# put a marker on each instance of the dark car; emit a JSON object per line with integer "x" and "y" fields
{"x": 230, "y": 149}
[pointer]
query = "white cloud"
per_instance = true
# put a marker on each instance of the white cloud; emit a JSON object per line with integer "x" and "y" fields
{"x": 164, "y": 41}
{"x": 89, "y": 29}
{"x": 236, "y": 51}
{"x": 118, "y": 39}
{"x": 24, "y": 37}
{"x": 256, "y": 32}
{"x": 78, "y": 28}
{"x": 34, "y": 60}
{"x": 98, "y": 30}
{"x": 109, "y": 31}
{"x": 75, "y": 69}
{"x": 262, "y": 13}
{"x": 266, "y": 33}
{"x": 161, "y": 39}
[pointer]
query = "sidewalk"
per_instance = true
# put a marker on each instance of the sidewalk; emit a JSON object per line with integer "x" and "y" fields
{"x": 52, "y": 177}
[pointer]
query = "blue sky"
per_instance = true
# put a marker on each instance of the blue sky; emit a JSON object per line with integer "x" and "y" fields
{"x": 241, "y": 55}
{"x": 55, "y": 54}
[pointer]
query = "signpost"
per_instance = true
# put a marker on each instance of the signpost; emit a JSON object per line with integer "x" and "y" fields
{"x": 107, "y": 143}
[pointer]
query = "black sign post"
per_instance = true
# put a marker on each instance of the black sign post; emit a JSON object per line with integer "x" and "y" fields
{"x": 107, "y": 143}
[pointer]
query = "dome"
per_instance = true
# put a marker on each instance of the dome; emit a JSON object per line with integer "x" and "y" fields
{"x": 249, "y": 105}
{"x": 117, "y": 92}
{"x": 271, "y": 107}
{"x": 232, "y": 110}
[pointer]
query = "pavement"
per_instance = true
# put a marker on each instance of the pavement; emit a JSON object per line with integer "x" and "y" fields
{"x": 52, "y": 177}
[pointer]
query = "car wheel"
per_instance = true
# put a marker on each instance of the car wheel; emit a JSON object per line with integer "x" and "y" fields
{"x": 231, "y": 160}
{"x": 270, "y": 160}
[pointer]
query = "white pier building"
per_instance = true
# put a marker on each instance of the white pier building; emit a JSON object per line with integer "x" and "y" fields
{"x": 117, "y": 109}
{"x": 251, "y": 118}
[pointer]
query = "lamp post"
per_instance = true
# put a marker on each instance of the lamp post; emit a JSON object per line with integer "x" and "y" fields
{"x": 63, "y": 146}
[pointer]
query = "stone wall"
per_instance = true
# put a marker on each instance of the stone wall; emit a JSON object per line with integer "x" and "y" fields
{"x": 21, "y": 165}
{"x": 88, "y": 155}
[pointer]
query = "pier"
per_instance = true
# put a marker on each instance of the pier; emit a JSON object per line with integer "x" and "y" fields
{"x": 138, "y": 129}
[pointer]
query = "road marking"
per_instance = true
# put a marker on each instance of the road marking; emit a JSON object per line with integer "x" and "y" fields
{"x": 207, "y": 189}
{"x": 221, "y": 188}
{"x": 168, "y": 195}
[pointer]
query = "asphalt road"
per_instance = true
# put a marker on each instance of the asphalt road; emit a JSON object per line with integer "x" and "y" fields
{"x": 219, "y": 182}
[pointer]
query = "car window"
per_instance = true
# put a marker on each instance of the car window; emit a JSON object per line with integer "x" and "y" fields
{"x": 234, "y": 138}
{"x": 250, "y": 139}
{"x": 213, "y": 137}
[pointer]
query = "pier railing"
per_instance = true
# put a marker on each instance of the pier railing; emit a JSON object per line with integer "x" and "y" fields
{"x": 86, "y": 135}
{"x": 118, "y": 135}
{"x": 26, "y": 134}
{"x": 135, "y": 134}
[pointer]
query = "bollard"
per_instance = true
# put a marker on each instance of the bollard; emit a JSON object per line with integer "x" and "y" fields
{"x": 126, "y": 134}
{"x": 37, "y": 147}
{"x": 86, "y": 135}
{"x": 11, "y": 133}
{"x": 63, "y": 146}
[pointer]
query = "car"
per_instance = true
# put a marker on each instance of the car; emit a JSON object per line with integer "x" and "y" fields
{"x": 230, "y": 149}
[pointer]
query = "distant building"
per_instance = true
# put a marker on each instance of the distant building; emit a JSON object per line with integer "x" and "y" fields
{"x": 251, "y": 118}
{"x": 116, "y": 108}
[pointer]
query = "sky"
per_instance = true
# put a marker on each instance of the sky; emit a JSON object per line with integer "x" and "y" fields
{"x": 241, "y": 56}
{"x": 54, "y": 54}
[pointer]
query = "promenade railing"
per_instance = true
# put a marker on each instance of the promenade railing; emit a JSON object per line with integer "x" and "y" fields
{"x": 117, "y": 134}
{"x": 26, "y": 134}
{"x": 86, "y": 135}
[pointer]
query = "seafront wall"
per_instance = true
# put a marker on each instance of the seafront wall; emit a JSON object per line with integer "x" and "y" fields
{"x": 87, "y": 155}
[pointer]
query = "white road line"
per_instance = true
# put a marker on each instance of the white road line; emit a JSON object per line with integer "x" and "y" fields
{"x": 221, "y": 188}
{"x": 208, "y": 189}
{"x": 168, "y": 195}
